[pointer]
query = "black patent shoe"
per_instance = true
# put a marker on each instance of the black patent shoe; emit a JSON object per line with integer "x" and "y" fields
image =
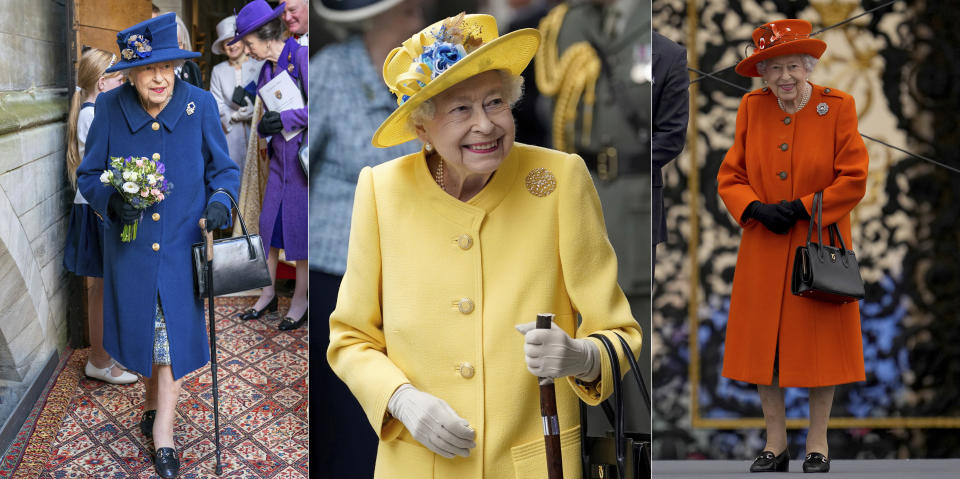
{"x": 289, "y": 323}
{"x": 251, "y": 313}
{"x": 166, "y": 462}
{"x": 816, "y": 462}
{"x": 767, "y": 462}
{"x": 146, "y": 422}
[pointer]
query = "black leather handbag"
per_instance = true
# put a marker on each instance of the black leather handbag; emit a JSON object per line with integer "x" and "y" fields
{"x": 239, "y": 263}
{"x": 619, "y": 454}
{"x": 822, "y": 272}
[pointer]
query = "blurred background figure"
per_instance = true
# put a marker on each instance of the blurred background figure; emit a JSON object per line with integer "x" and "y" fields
{"x": 283, "y": 218}
{"x": 83, "y": 252}
{"x": 351, "y": 101}
{"x": 296, "y": 14}
{"x": 190, "y": 71}
{"x": 233, "y": 84}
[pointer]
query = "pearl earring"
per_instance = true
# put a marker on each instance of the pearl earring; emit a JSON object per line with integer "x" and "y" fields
{"x": 428, "y": 147}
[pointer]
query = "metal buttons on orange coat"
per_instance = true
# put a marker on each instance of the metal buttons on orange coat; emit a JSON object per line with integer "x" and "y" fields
{"x": 783, "y": 147}
{"x": 786, "y": 120}
{"x": 466, "y": 370}
{"x": 782, "y": 175}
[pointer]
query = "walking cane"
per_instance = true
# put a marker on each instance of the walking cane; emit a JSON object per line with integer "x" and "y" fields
{"x": 208, "y": 272}
{"x": 548, "y": 411}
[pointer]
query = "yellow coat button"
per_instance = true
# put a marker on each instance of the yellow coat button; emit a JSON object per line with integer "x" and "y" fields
{"x": 465, "y": 306}
{"x": 465, "y": 242}
{"x": 156, "y": 217}
{"x": 466, "y": 370}
{"x": 156, "y": 246}
{"x": 156, "y": 156}
{"x": 155, "y": 126}
{"x": 783, "y": 147}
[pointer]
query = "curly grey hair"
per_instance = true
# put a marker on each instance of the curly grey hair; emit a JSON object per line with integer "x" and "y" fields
{"x": 809, "y": 62}
{"x": 512, "y": 92}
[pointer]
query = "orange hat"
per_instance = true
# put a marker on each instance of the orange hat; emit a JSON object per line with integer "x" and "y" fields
{"x": 781, "y": 37}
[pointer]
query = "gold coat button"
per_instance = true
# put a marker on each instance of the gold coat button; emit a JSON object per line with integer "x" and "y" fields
{"x": 783, "y": 147}
{"x": 465, "y": 306}
{"x": 156, "y": 246}
{"x": 782, "y": 175}
{"x": 156, "y": 156}
{"x": 786, "y": 120}
{"x": 155, "y": 126}
{"x": 466, "y": 370}
{"x": 464, "y": 242}
{"x": 156, "y": 217}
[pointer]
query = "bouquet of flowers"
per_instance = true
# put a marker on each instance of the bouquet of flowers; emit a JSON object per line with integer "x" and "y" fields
{"x": 141, "y": 183}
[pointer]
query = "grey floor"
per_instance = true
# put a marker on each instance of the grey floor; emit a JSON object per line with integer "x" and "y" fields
{"x": 848, "y": 469}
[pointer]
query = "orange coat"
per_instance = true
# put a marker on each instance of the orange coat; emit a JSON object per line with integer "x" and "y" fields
{"x": 774, "y": 159}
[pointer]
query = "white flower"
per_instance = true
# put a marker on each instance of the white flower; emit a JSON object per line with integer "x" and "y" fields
{"x": 128, "y": 175}
{"x": 151, "y": 179}
{"x": 130, "y": 187}
{"x": 134, "y": 176}
{"x": 106, "y": 177}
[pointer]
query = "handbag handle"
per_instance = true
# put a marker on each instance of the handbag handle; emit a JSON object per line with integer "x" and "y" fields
{"x": 831, "y": 229}
{"x": 621, "y": 447}
{"x": 243, "y": 226}
{"x": 635, "y": 369}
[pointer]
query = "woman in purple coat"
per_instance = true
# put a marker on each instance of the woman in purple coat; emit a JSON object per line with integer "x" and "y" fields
{"x": 283, "y": 218}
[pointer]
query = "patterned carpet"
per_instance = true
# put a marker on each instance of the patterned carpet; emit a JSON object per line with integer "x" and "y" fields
{"x": 88, "y": 428}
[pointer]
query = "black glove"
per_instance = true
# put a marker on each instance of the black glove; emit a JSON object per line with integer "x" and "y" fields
{"x": 239, "y": 95}
{"x": 794, "y": 208}
{"x": 216, "y": 215}
{"x": 772, "y": 216}
{"x": 121, "y": 210}
{"x": 270, "y": 124}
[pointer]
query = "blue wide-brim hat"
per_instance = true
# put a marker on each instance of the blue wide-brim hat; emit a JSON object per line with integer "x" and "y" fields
{"x": 253, "y": 16}
{"x": 150, "y": 41}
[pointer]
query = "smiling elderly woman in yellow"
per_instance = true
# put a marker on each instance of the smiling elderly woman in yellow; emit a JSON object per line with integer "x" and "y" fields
{"x": 456, "y": 248}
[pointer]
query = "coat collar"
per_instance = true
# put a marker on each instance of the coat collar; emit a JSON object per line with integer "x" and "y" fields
{"x": 288, "y": 57}
{"x": 138, "y": 118}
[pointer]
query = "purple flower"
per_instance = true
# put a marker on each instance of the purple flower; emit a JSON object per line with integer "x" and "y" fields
{"x": 161, "y": 168}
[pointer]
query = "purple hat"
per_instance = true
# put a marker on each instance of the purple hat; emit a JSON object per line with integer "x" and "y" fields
{"x": 253, "y": 15}
{"x": 150, "y": 41}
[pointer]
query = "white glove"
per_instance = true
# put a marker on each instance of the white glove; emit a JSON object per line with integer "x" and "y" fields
{"x": 552, "y": 353}
{"x": 244, "y": 113}
{"x": 432, "y": 422}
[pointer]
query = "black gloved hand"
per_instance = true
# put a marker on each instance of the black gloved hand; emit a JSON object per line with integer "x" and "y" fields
{"x": 770, "y": 215}
{"x": 270, "y": 124}
{"x": 239, "y": 96}
{"x": 121, "y": 210}
{"x": 216, "y": 215}
{"x": 794, "y": 208}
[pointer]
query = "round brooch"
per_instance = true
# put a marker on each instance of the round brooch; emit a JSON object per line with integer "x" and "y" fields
{"x": 822, "y": 108}
{"x": 540, "y": 182}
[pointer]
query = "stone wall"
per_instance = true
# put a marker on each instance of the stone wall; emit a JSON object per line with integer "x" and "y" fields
{"x": 34, "y": 195}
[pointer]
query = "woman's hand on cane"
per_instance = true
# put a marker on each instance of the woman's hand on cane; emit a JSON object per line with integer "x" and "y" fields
{"x": 552, "y": 353}
{"x": 216, "y": 215}
{"x": 432, "y": 422}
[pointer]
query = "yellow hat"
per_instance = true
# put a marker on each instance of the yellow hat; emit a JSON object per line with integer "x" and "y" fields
{"x": 443, "y": 55}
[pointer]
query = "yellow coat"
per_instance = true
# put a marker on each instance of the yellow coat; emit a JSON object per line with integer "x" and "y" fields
{"x": 432, "y": 292}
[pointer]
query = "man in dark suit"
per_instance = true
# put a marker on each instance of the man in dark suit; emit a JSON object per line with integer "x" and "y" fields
{"x": 670, "y": 113}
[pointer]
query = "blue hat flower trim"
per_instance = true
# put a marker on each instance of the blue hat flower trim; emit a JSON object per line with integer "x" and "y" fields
{"x": 453, "y": 41}
{"x": 137, "y": 47}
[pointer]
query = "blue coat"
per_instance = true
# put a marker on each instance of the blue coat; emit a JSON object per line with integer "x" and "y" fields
{"x": 158, "y": 262}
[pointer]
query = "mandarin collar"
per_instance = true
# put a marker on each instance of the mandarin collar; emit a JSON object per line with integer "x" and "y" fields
{"x": 138, "y": 118}
{"x": 485, "y": 201}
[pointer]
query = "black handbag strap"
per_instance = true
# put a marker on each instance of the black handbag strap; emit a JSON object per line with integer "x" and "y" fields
{"x": 635, "y": 371}
{"x": 243, "y": 226}
{"x": 832, "y": 229}
{"x": 618, "y": 429}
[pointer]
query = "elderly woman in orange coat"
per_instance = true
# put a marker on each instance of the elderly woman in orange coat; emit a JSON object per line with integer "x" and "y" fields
{"x": 793, "y": 139}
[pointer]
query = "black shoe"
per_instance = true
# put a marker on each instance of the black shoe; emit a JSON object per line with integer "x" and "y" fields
{"x": 166, "y": 462}
{"x": 289, "y": 323}
{"x": 146, "y": 422}
{"x": 816, "y": 462}
{"x": 251, "y": 313}
{"x": 767, "y": 462}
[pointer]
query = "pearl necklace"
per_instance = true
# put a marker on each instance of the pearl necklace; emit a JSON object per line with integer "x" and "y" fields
{"x": 804, "y": 98}
{"x": 438, "y": 175}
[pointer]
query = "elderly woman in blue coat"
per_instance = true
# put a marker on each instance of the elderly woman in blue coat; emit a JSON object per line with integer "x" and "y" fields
{"x": 153, "y": 320}
{"x": 283, "y": 216}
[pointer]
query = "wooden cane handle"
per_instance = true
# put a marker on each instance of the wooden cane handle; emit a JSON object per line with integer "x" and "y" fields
{"x": 207, "y": 238}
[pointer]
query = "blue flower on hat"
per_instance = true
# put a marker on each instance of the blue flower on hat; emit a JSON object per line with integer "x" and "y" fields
{"x": 440, "y": 56}
{"x": 138, "y": 46}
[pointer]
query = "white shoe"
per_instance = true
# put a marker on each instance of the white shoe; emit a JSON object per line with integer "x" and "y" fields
{"x": 105, "y": 374}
